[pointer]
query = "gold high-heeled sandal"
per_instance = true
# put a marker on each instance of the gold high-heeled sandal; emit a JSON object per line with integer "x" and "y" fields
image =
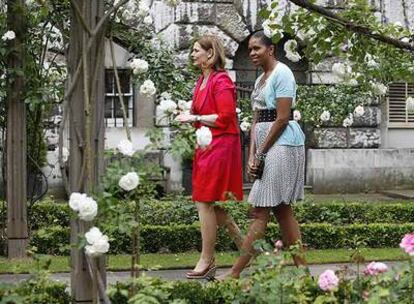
{"x": 207, "y": 273}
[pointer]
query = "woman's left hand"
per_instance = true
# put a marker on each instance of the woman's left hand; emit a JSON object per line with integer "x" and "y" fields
{"x": 254, "y": 165}
{"x": 185, "y": 118}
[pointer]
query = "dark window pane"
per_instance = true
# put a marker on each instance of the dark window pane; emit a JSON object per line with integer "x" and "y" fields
{"x": 124, "y": 80}
{"x": 109, "y": 81}
{"x": 108, "y": 107}
{"x": 118, "y": 108}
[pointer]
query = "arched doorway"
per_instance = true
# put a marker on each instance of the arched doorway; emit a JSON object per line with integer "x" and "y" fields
{"x": 246, "y": 72}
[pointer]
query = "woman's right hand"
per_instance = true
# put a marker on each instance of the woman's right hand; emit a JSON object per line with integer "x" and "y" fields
{"x": 185, "y": 118}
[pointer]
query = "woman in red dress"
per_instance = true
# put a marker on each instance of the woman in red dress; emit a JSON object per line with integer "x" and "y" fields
{"x": 217, "y": 168}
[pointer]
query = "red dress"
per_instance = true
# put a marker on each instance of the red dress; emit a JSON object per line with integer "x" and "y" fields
{"x": 217, "y": 169}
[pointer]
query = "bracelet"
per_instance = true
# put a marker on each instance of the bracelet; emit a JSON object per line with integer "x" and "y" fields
{"x": 260, "y": 156}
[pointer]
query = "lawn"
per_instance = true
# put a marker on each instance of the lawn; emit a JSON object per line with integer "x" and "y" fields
{"x": 188, "y": 260}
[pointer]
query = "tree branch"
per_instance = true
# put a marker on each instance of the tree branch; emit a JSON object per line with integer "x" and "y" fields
{"x": 80, "y": 17}
{"x": 357, "y": 28}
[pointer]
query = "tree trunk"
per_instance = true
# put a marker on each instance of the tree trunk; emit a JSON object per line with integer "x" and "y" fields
{"x": 17, "y": 231}
{"x": 86, "y": 132}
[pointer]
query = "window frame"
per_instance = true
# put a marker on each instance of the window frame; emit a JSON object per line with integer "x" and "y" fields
{"x": 409, "y": 121}
{"x": 118, "y": 122}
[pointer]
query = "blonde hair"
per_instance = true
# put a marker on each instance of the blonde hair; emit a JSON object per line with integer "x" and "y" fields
{"x": 218, "y": 58}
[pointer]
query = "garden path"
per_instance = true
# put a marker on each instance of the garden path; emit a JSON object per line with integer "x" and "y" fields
{"x": 177, "y": 274}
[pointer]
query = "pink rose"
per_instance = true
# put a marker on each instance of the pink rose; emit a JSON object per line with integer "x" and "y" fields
{"x": 407, "y": 243}
{"x": 375, "y": 268}
{"x": 328, "y": 281}
{"x": 278, "y": 245}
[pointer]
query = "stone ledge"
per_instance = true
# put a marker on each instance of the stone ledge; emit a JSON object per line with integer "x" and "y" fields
{"x": 359, "y": 170}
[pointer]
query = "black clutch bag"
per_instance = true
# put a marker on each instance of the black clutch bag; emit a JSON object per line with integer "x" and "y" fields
{"x": 260, "y": 169}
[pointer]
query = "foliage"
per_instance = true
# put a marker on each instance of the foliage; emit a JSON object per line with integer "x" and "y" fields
{"x": 169, "y": 77}
{"x": 339, "y": 100}
{"x": 179, "y": 210}
{"x": 158, "y": 291}
{"x": 44, "y": 76}
{"x": 321, "y": 38}
{"x": 181, "y": 238}
{"x": 38, "y": 289}
{"x": 270, "y": 280}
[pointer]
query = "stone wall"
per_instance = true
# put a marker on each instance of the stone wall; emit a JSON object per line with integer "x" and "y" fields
{"x": 359, "y": 170}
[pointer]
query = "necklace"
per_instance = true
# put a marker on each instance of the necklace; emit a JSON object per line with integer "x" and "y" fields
{"x": 266, "y": 76}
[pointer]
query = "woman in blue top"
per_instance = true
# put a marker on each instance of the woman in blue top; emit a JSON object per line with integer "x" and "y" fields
{"x": 276, "y": 154}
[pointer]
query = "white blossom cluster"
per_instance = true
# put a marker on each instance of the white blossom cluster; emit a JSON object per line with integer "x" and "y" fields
{"x": 85, "y": 206}
{"x": 97, "y": 242}
{"x": 290, "y": 48}
{"x": 204, "y": 136}
{"x": 9, "y": 35}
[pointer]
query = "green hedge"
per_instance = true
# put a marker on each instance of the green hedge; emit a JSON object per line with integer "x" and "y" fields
{"x": 47, "y": 213}
{"x": 180, "y": 238}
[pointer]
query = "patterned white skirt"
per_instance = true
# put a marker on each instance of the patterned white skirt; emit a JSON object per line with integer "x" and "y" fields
{"x": 283, "y": 175}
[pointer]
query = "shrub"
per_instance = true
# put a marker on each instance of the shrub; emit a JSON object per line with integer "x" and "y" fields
{"x": 181, "y": 238}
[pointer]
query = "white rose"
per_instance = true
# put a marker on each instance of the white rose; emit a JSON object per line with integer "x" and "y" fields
{"x": 126, "y": 147}
{"x": 88, "y": 209}
{"x": 290, "y": 48}
{"x": 165, "y": 95}
{"x": 204, "y": 136}
{"x": 147, "y": 88}
{"x": 238, "y": 111}
{"x": 267, "y": 30}
{"x": 245, "y": 125}
{"x": 378, "y": 88}
{"x": 353, "y": 82}
{"x": 147, "y": 20}
{"x": 98, "y": 248}
{"x": 93, "y": 235}
{"x": 409, "y": 104}
{"x": 372, "y": 64}
{"x": 296, "y": 115}
{"x": 371, "y": 61}
{"x": 184, "y": 105}
{"x": 405, "y": 40}
{"x": 348, "y": 121}
{"x": 293, "y": 56}
{"x": 398, "y": 24}
{"x": 143, "y": 9}
{"x": 139, "y": 66}
{"x": 129, "y": 181}
{"x": 9, "y": 35}
{"x": 76, "y": 199}
{"x": 168, "y": 106}
{"x": 325, "y": 116}
{"x": 359, "y": 111}
{"x": 301, "y": 35}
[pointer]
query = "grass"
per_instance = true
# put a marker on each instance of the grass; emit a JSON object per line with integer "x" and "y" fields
{"x": 188, "y": 260}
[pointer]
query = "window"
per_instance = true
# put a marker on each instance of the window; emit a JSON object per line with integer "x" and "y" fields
{"x": 398, "y": 117}
{"x": 113, "y": 109}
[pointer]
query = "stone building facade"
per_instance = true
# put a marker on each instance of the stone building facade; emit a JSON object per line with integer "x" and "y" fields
{"x": 374, "y": 154}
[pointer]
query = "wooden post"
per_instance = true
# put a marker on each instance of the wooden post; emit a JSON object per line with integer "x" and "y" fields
{"x": 16, "y": 188}
{"x": 86, "y": 131}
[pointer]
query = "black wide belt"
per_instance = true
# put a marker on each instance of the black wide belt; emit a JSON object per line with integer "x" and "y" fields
{"x": 269, "y": 115}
